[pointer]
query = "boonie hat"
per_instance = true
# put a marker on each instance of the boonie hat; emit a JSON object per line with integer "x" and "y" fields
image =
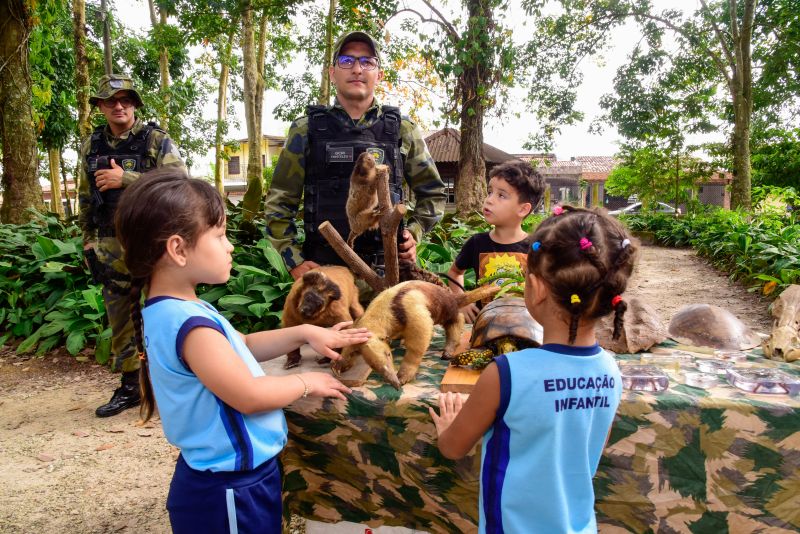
{"x": 111, "y": 84}
{"x": 362, "y": 37}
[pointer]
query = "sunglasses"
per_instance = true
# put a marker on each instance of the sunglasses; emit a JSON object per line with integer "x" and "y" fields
{"x": 366, "y": 62}
{"x": 111, "y": 103}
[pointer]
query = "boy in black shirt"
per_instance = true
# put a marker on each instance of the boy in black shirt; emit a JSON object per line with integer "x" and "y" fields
{"x": 515, "y": 190}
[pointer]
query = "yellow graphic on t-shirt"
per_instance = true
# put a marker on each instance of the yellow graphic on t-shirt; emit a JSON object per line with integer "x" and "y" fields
{"x": 493, "y": 263}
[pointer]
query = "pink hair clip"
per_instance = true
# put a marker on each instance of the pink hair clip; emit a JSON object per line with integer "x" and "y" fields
{"x": 585, "y": 243}
{"x": 558, "y": 210}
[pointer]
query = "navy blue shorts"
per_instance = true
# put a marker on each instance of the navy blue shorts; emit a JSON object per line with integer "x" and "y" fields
{"x": 236, "y": 502}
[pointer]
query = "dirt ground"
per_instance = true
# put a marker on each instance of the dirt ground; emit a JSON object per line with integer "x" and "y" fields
{"x": 64, "y": 470}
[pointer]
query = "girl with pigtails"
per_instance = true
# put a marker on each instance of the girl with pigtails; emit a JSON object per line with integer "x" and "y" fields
{"x": 545, "y": 413}
{"x": 213, "y": 398}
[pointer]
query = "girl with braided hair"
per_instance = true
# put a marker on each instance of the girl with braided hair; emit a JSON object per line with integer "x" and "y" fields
{"x": 545, "y": 413}
{"x": 214, "y": 400}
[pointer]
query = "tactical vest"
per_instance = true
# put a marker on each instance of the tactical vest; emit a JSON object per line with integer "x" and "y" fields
{"x": 333, "y": 150}
{"x": 131, "y": 155}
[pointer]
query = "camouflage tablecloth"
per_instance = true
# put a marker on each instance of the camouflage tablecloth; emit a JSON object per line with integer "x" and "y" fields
{"x": 684, "y": 460}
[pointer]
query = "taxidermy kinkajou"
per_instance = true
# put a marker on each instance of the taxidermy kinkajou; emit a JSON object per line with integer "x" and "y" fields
{"x": 362, "y": 202}
{"x": 408, "y": 311}
{"x": 324, "y": 296}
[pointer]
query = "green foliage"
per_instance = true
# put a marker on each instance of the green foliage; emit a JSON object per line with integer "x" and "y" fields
{"x": 775, "y": 157}
{"x": 650, "y": 173}
{"x": 757, "y": 249}
{"x": 47, "y": 298}
{"x": 52, "y": 60}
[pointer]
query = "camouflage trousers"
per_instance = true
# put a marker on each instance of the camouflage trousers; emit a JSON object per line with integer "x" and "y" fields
{"x": 116, "y": 296}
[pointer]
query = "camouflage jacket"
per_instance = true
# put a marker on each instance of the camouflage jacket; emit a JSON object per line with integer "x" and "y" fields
{"x": 286, "y": 191}
{"x": 161, "y": 149}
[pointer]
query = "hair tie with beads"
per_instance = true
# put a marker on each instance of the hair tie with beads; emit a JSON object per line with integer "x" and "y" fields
{"x": 626, "y": 242}
{"x": 558, "y": 210}
{"x": 615, "y": 301}
{"x": 585, "y": 243}
{"x": 574, "y": 299}
{"x": 536, "y": 246}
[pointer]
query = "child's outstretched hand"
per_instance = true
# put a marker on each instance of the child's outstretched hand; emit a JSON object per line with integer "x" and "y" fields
{"x": 324, "y": 385}
{"x": 449, "y": 405}
{"x": 324, "y": 340}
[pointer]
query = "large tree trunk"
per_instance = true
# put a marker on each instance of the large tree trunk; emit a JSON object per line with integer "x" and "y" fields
{"x": 81, "y": 79}
{"x": 222, "y": 111}
{"x": 81, "y": 67}
{"x": 21, "y": 188}
{"x": 253, "y": 102}
{"x": 742, "y": 97}
{"x": 327, "y": 60}
{"x": 54, "y": 156}
{"x": 158, "y": 19}
{"x": 471, "y": 188}
{"x": 471, "y": 185}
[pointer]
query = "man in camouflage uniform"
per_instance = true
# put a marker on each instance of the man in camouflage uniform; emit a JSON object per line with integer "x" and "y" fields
{"x": 319, "y": 155}
{"x": 114, "y": 156}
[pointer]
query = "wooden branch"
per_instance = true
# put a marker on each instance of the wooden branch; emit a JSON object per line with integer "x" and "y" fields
{"x": 356, "y": 264}
{"x": 389, "y": 222}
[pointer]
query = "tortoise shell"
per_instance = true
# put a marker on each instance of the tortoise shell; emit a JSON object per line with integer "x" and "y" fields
{"x": 504, "y": 317}
{"x": 711, "y": 326}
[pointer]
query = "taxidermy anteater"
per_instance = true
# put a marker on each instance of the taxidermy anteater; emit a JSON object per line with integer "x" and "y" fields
{"x": 324, "y": 296}
{"x": 408, "y": 311}
{"x": 362, "y": 202}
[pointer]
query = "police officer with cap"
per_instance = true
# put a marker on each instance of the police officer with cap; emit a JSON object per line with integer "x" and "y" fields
{"x": 320, "y": 153}
{"x": 114, "y": 156}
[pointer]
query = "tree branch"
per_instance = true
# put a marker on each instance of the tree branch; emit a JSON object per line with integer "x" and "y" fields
{"x": 720, "y": 36}
{"x": 680, "y": 31}
{"x": 451, "y": 30}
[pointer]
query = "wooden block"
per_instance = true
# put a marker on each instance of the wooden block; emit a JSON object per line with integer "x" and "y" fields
{"x": 354, "y": 377}
{"x": 460, "y": 379}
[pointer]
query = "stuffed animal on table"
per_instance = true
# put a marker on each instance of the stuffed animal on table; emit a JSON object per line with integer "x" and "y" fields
{"x": 408, "y": 311}
{"x": 323, "y": 296}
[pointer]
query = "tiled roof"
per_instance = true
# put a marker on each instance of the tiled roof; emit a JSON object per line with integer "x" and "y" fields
{"x": 444, "y": 146}
{"x": 596, "y": 163}
{"x": 277, "y": 139}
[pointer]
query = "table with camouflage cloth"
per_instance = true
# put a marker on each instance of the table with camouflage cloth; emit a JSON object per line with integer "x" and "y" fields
{"x": 684, "y": 460}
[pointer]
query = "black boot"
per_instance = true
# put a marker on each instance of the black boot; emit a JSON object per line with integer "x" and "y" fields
{"x": 126, "y": 396}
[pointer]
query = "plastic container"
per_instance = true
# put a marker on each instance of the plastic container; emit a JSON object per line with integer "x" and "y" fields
{"x": 764, "y": 380}
{"x": 643, "y": 378}
{"x": 696, "y": 379}
{"x": 719, "y": 367}
{"x": 673, "y": 361}
{"x": 735, "y": 356}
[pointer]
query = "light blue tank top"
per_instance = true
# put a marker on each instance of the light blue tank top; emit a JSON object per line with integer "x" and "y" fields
{"x": 557, "y": 404}
{"x": 211, "y": 435}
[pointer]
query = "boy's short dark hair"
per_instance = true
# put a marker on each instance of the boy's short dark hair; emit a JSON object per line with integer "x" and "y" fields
{"x": 525, "y": 180}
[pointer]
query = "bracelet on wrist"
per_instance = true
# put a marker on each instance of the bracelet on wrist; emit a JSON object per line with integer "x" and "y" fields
{"x": 305, "y": 386}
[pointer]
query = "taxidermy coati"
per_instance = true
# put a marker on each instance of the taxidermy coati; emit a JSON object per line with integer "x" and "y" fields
{"x": 324, "y": 296}
{"x": 362, "y": 201}
{"x": 408, "y": 311}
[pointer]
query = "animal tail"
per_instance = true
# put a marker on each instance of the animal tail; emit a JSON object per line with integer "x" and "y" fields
{"x": 480, "y": 293}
